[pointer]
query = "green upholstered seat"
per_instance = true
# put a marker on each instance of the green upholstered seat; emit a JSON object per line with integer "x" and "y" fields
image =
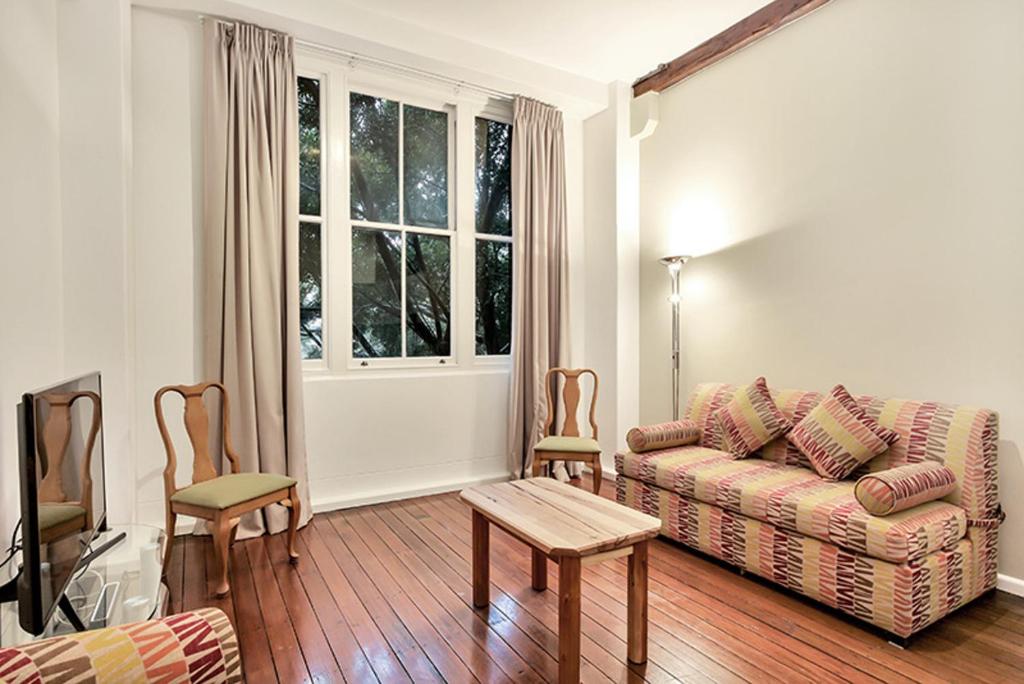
{"x": 227, "y": 490}
{"x": 575, "y": 445}
{"x": 53, "y": 514}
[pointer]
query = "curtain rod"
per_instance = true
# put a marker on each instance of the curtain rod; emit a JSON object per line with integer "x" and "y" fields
{"x": 405, "y": 69}
{"x": 395, "y": 67}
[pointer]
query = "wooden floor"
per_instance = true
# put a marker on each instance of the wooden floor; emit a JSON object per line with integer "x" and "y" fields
{"x": 382, "y": 593}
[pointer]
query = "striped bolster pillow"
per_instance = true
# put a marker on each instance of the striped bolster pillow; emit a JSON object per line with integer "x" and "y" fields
{"x": 663, "y": 435}
{"x": 898, "y": 489}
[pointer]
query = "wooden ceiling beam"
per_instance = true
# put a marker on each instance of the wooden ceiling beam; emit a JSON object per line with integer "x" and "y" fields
{"x": 761, "y": 23}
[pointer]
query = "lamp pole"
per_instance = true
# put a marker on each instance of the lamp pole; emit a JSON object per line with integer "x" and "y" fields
{"x": 675, "y": 265}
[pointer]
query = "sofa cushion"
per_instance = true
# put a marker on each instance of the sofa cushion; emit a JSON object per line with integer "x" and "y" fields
{"x": 897, "y": 489}
{"x": 197, "y": 646}
{"x": 963, "y": 438}
{"x": 751, "y": 419}
{"x": 799, "y": 500}
{"x": 662, "y": 435}
{"x": 707, "y": 398}
{"x": 837, "y": 437}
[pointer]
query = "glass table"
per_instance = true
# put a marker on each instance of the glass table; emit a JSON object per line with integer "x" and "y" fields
{"x": 120, "y": 586}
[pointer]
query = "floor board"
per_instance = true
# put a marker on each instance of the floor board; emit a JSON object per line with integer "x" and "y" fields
{"x": 382, "y": 594}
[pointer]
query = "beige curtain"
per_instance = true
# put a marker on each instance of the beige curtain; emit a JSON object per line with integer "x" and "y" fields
{"x": 540, "y": 311}
{"x": 251, "y": 251}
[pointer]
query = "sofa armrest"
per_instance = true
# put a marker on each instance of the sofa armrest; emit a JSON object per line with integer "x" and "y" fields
{"x": 147, "y": 651}
{"x": 991, "y": 523}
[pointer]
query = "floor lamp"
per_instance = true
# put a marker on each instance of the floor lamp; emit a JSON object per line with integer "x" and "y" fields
{"x": 675, "y": 265}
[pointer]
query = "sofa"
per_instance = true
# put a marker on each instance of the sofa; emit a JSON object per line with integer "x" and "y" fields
{"x": 771, "y": 514}
{"x": 197, "y": 646}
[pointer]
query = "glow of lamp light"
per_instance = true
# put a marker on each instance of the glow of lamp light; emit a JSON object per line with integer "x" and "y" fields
{"x": 698, "y": 225}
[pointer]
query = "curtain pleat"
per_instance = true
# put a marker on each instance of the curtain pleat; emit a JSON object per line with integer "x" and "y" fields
{"x": 251, "y": 316}
{"x": 540, "y": 263}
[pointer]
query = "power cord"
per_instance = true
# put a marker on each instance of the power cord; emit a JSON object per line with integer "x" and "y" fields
{"x": 13, "y": 548}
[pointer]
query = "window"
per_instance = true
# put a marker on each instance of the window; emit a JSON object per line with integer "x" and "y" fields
{"x": 401, "y": 253}
{"x": 493, "y": 237}
{"x": 403, "y": 261}
{"x": 310, "y": 221}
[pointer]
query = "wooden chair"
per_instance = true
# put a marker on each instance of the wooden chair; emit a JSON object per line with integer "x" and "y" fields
{"x": 221, "y": 499}
{"x": 59, "y": 517}
{"x": 569, "y": 446}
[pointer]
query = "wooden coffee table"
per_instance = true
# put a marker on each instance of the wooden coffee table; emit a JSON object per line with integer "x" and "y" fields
{"x": 573, "y": 528}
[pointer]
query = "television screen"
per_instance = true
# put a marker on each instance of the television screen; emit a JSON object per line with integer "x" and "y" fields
{"x": 62, "y": 490}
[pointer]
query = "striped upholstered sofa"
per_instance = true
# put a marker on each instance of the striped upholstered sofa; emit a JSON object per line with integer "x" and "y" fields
{"x": 771, "y": 514}
{"x": 198, "y": 646}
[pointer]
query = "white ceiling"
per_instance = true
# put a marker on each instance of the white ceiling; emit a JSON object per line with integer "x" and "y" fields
{"x": 604, "y": 40}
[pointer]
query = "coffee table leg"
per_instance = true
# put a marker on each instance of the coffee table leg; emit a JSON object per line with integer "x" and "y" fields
{"x": 481, "y": 561}
{"x": 636, "y": 621}
{"x": 569, "y": 620}
{"x": 540, "y": 570}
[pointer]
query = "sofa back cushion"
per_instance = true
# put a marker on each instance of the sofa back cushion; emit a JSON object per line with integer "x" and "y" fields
{"x": 794, "y": 404}
{"x": 963, "y": 438}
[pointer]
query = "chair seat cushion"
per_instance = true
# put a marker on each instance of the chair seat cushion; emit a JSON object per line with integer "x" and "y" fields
{"x": 227, "y": 490}
{"x": 799, "y": 500}
{"x": 51, "y": 515}
{"x": 574, "y": 445}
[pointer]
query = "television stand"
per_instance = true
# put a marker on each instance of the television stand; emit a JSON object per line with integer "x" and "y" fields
{"x": 69, "y": 613}
{"x": 118, "y": 581}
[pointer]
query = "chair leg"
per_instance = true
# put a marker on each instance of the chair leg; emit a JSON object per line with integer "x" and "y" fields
{"x": 595, "y": 466}
{"x": 172, "y": 519}
{"x": 293, "y": 523}
{"x": 537, "y": 465}
{"x": 221, "y": 534}
{"x": 235, "y": 523}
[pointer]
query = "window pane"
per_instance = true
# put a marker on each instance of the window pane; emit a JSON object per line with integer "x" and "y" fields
{"x": 373, "y": 125}
{"x": 425, "y": 146}
{"x": 376, "y": 293}
{"x": 310, "y": 291}
{"x": 493, "y": 177}
{"x": 309, "y": 146}
{"x": 428, "y": 295}
{"x": 493, "y": 297}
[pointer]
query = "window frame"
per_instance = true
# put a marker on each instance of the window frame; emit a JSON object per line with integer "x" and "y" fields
{"x": 505, "y": 117}
{"x": 324, "y": 362}
{"x": 338, "y": 79}
{"x": 374, "y": 89}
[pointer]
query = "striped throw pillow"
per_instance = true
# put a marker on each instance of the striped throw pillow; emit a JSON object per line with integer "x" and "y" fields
{"x": 751, "y": 419}
{"x": 662, "y": 436}
{"x": 837, "y": 436}
{"x": 897, "y": 489}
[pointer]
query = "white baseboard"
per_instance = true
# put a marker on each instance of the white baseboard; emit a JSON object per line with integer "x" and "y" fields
{"x": 325, "y": 505}
{"x": 1011, "y": 585}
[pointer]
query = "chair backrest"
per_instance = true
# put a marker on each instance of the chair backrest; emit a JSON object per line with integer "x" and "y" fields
{"x": 570, "y": 400}
{"x": 197, "y": 425}
{"x": 54, "y": 436}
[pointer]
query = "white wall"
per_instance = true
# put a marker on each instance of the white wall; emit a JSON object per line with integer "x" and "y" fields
{"x": 167, "y": 212}
{"x": 855, "y": 184}
{"x": 611, "y": 243}
{"x": 370, "y": 435}
{"x": 31, "y": 335}
{"x": 93, "y": 49}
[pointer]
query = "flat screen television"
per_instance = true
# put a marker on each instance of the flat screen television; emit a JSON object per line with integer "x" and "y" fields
{"x": 60, "y": 437}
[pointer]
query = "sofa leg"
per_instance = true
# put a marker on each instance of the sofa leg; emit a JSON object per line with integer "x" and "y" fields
{"x": 899, "y": 642}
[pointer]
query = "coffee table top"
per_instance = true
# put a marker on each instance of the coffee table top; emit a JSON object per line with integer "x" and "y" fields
{"x": 559, "y": 519}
